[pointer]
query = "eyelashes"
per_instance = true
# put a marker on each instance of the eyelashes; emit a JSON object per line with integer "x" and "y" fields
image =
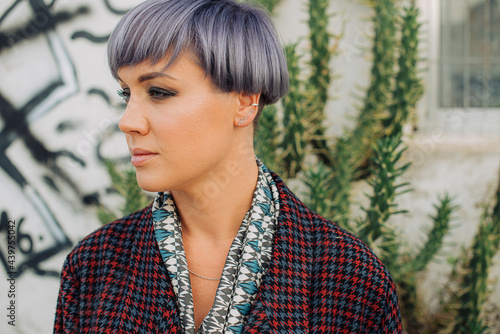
{"x": 123, "y": 94}
{"x": 160, "y": 93}
{"x": 155, "y": 93}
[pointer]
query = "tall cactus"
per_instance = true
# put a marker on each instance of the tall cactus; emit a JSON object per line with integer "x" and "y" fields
{"x": 270, "y": 4}
{"x": 328, "y": 189}
{"x": 474, "y": 275}
{"x": 318, "y": 181}
{"x": 441, "y": 226}
{"x": 304, "y": 106}
{"x": 386, "y": 169}
{"x": 474, "y": 282}
{"x": 295, "y": 119}
{"x": 320, "y": 79}
{"x": 411, "y": 266}
{"x": 495, "y": 217}
{"x": 266, "y": 139}
{"x": 409, "y": 88}
{"x": 379, "y": 94}
{"x": 341, "y": 184}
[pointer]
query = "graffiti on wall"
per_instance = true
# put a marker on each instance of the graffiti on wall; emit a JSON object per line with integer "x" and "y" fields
{"x": 39, "y": 233}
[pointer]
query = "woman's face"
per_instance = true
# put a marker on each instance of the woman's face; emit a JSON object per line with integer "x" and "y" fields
{"x": 179, "y": 128}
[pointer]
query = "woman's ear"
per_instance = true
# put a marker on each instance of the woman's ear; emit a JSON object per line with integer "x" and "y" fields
{"x": 247, "y": 110}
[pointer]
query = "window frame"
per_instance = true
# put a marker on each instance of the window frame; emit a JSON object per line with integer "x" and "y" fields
{"x": 477, "y": 121}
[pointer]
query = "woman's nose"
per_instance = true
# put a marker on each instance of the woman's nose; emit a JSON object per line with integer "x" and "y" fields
{"x": 133, "y": 120}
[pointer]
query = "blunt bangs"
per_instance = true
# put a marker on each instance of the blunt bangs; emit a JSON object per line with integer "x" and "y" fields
{"x": 236, "y": 44}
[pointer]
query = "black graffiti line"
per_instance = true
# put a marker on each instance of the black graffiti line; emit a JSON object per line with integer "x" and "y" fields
{"x": 52, "y": 3}
{"x": 16, "y": 126}
{"x": 34, "y": 198}
{"x": 91, "y": 37}
{"x": 4, "y": 15}
{"x": 67, "y": 125}
{"x": 115, "y": 129}
{"x": 43, "y": 211}
{"x": 115, "y": 10}
{"x": 11, "y": 38}
{"x": 67, "y": 74}
{"x": 101, "y": 142}
{"x": 17, "y": 121}
{"x": 101, "y": 93}
{"x": 61, "y": 240}
{"x": 39, "y": 257}
{"x": 67, "y": 84}
{"x": 36, "y": 258}
{"x": 12, "y": 170}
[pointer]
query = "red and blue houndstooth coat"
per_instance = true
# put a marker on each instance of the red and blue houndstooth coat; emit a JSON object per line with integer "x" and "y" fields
{"x": 321, "y": 279}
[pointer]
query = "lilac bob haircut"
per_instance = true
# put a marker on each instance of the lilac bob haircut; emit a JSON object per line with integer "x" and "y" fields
{"x": 236, "y": 44}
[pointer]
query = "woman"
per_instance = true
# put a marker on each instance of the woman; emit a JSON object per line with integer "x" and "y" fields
{"x": 225, "y": 247}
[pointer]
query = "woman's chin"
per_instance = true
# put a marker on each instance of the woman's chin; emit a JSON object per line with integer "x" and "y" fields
{"x": 148, "y": 184}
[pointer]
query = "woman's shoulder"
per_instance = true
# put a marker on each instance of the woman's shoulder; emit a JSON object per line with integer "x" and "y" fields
{"x": 331, "y": 239}
{"x": 331, "y": 246}
{"x": 343, "y": 254}
{"x": 325, "y": 235}
{"x": 118, "y": 234}
{"x": 120, "y": 227}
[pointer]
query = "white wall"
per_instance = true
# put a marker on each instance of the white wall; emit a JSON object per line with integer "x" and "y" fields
{"x": 70, "y": 119}
{"x": 66, "y": 119}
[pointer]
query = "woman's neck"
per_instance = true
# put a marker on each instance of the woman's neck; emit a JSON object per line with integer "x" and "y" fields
{"x": 213, "y": 210}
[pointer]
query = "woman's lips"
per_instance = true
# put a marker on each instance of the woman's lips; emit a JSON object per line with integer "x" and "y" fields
{"x": 140, "y": 157}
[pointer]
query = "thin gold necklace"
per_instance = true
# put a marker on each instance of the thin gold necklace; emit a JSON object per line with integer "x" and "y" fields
{"x": 207, "y": 278}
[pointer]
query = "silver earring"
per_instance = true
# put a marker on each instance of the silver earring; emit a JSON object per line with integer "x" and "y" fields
{"x": 251, "y": 111}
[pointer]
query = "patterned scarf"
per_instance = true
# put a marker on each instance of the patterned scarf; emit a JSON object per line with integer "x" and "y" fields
{"x": 246, "y": 263}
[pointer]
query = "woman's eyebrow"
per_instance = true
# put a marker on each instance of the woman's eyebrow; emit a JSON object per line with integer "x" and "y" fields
{"x": 149, "y": 76}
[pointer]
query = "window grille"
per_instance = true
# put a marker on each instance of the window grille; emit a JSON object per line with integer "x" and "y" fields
{"x": 469, "y": 54}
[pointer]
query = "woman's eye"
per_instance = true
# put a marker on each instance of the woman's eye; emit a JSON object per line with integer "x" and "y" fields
{"x": 159, "y": 93}
{"x": 124, "y": 94}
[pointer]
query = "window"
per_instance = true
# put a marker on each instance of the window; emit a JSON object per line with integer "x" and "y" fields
{"x": 470, "y": 54}
{"x": 463, "y": 76}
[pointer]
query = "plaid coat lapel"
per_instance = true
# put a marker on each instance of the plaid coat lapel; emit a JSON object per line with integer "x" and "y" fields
{"x": 114, "y": 281}
{"x": 282, "y": 304}
{"x": 322, "y": 280}
{"x": 150, "y": 299}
